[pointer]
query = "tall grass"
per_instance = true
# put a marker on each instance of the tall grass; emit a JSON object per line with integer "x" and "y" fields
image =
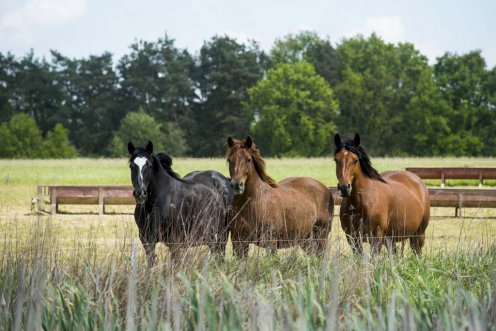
{"x": 89, "y": 286}
{"x": 80, "y": 272}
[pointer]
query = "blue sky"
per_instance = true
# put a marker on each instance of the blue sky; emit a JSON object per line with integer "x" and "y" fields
{"x": 79, "y": 28}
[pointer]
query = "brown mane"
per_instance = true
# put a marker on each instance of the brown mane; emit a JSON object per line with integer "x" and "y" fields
{"x": 258, "y": 161}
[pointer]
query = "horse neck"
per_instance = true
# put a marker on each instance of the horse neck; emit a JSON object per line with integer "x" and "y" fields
{"x": 360, "y": 182}
{"x": 160, "y": 180}
{"x": 255, "y": 185}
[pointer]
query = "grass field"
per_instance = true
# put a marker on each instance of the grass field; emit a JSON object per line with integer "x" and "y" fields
{"x": 81, "y": 271}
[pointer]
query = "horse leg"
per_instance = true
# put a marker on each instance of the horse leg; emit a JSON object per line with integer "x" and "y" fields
{"x": 217, "y": 245}
{"x": 377, "y": 240}
{"x": 175, "y": 253}
{"x": 418, "y": 239}
{"x": 321, "y": 236}
{"x": 355, "y": 242}
{"x": 391, "y": 246}
{"x": 271, "y": 249}
{"x": 221, "y": 240}
{"x": 416, "y": 243}
{"x": 150, "y": 253}
{"x": 240, "y": 247}
{"x": 149, "y": 242}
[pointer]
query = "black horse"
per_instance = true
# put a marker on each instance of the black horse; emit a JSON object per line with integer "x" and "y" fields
{"x": 181, "y": 212}
{"x": 210, "y": 178}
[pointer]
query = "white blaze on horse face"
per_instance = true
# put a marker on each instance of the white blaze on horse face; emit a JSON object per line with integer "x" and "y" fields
{"x": 345, "y": 170}
{"x": 140, "y": 162}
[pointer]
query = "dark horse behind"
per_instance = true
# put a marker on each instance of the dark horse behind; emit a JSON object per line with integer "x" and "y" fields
{"x": 378, "y": 208}
{"x": 180, "y": 212}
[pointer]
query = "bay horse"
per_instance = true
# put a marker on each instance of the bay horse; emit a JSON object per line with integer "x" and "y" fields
{"x": 378, "y": 208}
{"x": 177, "y": 211}
{"x": 295, "y": 211}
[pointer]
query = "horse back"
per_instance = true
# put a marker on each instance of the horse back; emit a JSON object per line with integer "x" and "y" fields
{"x": 407, "y": 180}
{"x": 214, "y": 180}
{"x": 311, "y": 189}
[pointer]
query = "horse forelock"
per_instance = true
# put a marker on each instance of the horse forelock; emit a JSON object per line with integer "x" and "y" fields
{"x": 363, "y": 158}
{"x": 258, "y": 161}
{"x": 139, "y": 152}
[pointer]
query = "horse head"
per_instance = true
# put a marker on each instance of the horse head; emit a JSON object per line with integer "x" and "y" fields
{"x": 347, "y": 160}
{"x": 240, "y": 163}
{"x": 141, "y": 165}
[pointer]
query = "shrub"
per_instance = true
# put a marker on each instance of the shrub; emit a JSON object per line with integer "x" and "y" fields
{"x": 21, "y": 138}
{"x": 140, "y": 127}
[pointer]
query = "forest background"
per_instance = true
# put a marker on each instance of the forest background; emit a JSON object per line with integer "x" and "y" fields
{"x": 292, "y": 99}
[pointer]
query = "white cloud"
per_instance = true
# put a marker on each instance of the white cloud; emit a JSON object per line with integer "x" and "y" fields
{"x": 430, "y": 49}
{"x": 389, "y": 28}
{"x": 35, "y": 14}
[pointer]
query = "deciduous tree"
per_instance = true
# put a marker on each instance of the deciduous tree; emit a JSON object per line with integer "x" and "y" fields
{"x": 293, "y": 111}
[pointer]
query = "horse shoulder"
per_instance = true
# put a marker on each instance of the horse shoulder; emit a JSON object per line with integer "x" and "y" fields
{"x": 372, "y": 200}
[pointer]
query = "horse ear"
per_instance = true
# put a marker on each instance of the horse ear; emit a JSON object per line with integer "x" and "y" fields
{"x": 337, "y": 140}
{"x": 230, "y": 141}
{"x": 248, "y": 142}
{"x": 149, "y": 147}
{"x": 130, "y": 147}
{"x": 356, "y": 140}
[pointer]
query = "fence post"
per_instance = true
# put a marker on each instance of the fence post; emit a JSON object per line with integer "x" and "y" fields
{"x": 460, "y": 205}
{"x": 53, "y": 199}
{"x": 101, "y": 207}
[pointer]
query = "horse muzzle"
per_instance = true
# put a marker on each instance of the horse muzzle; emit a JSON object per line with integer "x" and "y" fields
{"x": 140, "y": 196}
{"x": 345, "y": 190}
{"x": 238, "y": 188}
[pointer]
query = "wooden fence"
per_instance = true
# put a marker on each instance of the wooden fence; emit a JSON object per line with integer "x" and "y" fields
{"x": 123, "y": 195}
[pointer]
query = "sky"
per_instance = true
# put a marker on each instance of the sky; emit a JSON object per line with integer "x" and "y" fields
{"x": 80, "y": 28}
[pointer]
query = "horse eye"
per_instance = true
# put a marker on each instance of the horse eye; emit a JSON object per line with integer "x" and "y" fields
{"x": 355, "y": 161}
{"x": 248, "y": 160}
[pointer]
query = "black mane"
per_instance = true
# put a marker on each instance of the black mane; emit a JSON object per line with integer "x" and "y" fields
{"x": 163, "y": 159}
{"x": 364, "y": 159}
{"x": 166, "y": 162}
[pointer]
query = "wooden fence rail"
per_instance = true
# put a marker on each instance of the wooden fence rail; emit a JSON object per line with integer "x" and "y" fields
{"x": 457, "y": 198}
{"x": 444, "y": 173}
{"x": 86, "y": 195}
{"x": 123, "y": 195}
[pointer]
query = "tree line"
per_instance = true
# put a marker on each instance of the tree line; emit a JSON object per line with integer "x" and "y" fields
{"x": 292, "y": 99}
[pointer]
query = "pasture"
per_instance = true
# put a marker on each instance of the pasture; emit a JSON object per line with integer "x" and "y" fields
{"x": 80, "y": 271}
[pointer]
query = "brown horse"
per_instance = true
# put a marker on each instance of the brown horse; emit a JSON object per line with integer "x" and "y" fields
{"x": 379, "y": 208}
{"x": 295, "y": 211}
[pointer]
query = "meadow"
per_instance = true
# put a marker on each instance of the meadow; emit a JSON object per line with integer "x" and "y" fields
{"x": 81, "y": 271}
